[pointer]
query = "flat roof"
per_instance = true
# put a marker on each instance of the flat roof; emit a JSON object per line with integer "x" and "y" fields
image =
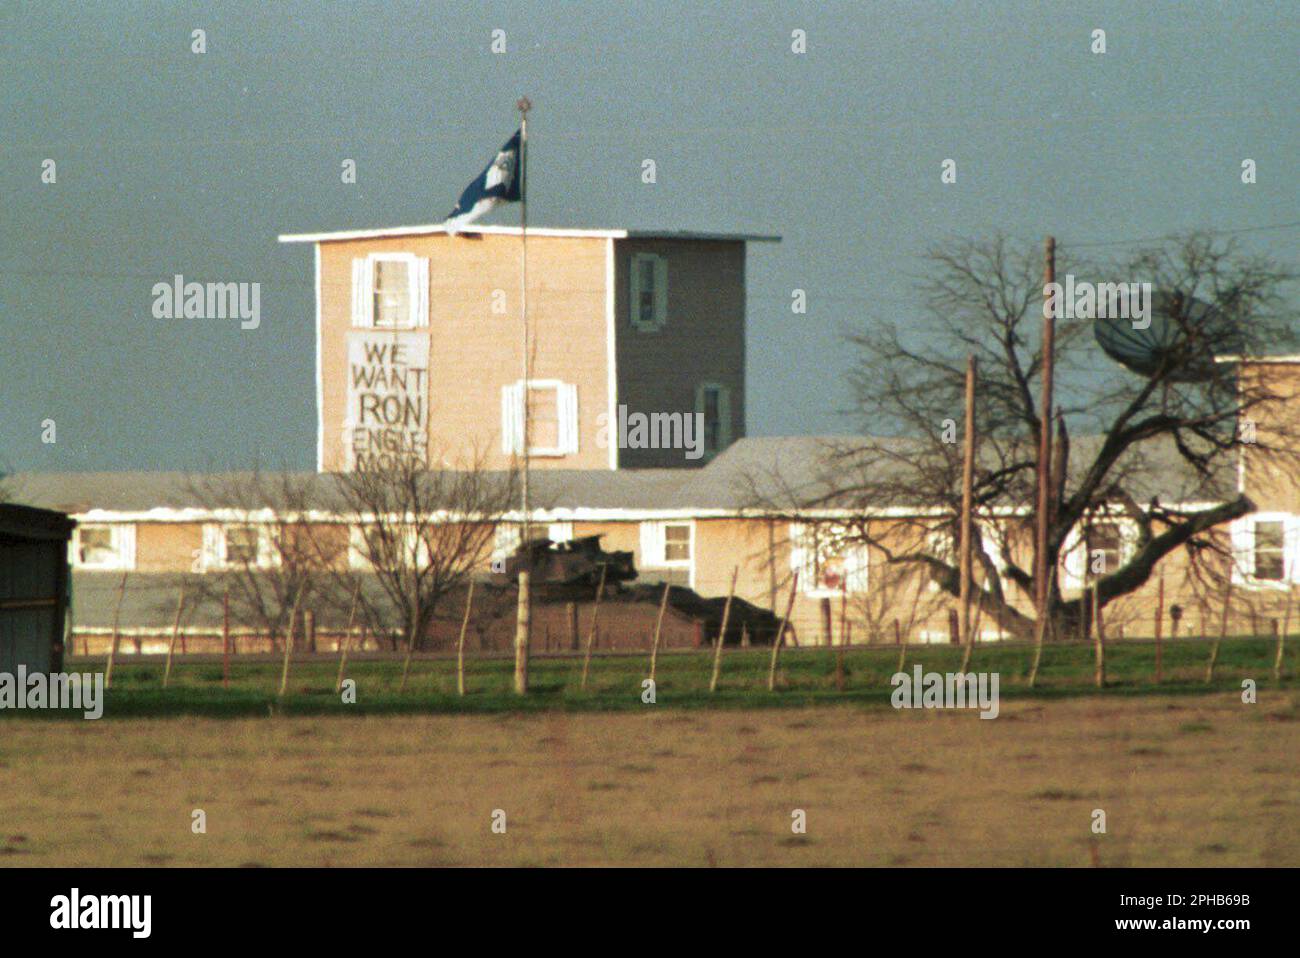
{"x": 441, "y": 228}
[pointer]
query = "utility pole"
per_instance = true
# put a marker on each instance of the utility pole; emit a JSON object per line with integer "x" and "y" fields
{"x": 967, "y": 503}
{"x": 1042, "y": 592}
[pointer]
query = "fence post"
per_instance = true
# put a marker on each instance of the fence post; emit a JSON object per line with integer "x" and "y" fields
{"x": 1160, "y": 626}
{"x": 659, "y": 624}
{"x": 722, "y": 632}
{"x": 347, "y": 638}
{"x": 523, "y": 623}
{"x": 117, "y": 618}
{"x": 171, "y": 646}
{"x": 780, "y": 634}
{"x": 595, "y": 614}
{"x": 460, "y": 642}
{"x": 225, "y": 638}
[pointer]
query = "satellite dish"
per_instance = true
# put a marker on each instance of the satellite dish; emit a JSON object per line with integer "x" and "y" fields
{"x": 1182, "y": 339}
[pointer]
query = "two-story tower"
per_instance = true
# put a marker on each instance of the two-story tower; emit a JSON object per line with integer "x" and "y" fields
{"x": 419, "y": 345}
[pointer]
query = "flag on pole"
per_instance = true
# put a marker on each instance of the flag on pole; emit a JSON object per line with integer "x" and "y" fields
{"x": 498, "y": 183}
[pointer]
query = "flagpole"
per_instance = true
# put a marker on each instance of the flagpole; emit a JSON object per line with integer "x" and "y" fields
{"x": 524, "y": 106}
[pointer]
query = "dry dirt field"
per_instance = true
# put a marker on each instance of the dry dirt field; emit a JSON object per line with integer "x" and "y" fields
{"x": 1183, "y": 781}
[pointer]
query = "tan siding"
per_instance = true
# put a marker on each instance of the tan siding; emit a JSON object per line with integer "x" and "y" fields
{"x": 476, "y": 351}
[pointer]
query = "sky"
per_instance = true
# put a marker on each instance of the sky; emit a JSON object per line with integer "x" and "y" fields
{"x": 172, "y": 162}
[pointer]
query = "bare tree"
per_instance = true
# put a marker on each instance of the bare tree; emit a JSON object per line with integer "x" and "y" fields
{"x": 421, "y": 535}
{"x": 267, "y": 555}
{"x": 1138, "y": 430}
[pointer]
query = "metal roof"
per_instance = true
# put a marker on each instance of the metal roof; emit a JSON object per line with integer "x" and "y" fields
{"x": 752, "y": 471}
{"x": 436, "y": 229}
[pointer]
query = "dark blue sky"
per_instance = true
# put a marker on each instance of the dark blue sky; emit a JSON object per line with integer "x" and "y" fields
{"x": 170, "y": 162}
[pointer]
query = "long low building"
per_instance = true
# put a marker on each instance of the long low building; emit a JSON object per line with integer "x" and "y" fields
{"x": 746, "y": 513}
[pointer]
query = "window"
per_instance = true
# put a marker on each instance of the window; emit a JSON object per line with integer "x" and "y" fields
{"x": 390, "y": 291}
{"x": 239, "y": 545}
{"x": 827, "y": 559}
{"x": 713, "y": 403}
{"x": 552, "y": 418}
{"x": 374, "y": 546}
{"x": 649, "y": 303}
{"x": 1104, "y": 549}
{"x": 667, "y": 545}
{"x": 1270, "y": 551}
{"x": 506, "y": 539}
{"x": 560, "y": 532}
{"x": 104, "y": 547}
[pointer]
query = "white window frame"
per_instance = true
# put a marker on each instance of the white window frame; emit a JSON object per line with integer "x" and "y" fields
{"x": 659, "y": 318}
{"x": 559, "y": 532}
{"x": 512, "y": 418}
{"x": 1242, "y": 533}
{"x": 804, "y": 559}
{"x": 359, "y": 549}
{"x": 1075, "y": 559}
{"x": 724, "y": 417}
{"x": 121, "y": 543}
{"x": 214, "y": 545}
{"x": 506, "y": 538}
{"x": 654, "y": 542}
{"x": 939, "y": 543}
{"x": 363, "y": 290}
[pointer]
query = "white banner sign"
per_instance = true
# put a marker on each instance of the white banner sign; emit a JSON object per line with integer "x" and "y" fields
{"x": 388, "y": 399}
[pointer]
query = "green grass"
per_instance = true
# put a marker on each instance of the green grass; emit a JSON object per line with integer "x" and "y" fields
{"x": 806, "y": 677}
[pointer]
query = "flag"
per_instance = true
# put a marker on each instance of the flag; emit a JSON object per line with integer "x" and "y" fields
{"x": 498, "y": 183}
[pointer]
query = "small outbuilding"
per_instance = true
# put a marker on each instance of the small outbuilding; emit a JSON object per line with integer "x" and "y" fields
{"x": 34, "y": 599}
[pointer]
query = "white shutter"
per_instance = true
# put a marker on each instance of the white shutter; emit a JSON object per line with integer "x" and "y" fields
{"x": 214, "y": 543}
{"x": 363, "y": 300}
{"x": 419, "y": 276}
{"x": 856, "y": 566}
{"x": 1242, "y": 532}
{"x": 652, "y": 544}
{"x": 566, "y": 403}
{"x": 126, "y": 545}
{"x": 1291, "y": 552}
{"x": 1074, "y": 560}
{"x": 507, "y": 420}
{"x": 512, "y": 427}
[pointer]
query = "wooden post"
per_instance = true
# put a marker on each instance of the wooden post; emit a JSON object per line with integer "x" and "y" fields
{"x": 591, "y": 633}
{"x": 1039, "y": 632}
{"x": 1281, "y": 636}
{"x": 406, "y": 664}
{"x": 974, "y": 633}
{"x": 117, "y": 618}
{"x": 1223, "y": 632}
{"x": 460, "y": 642}
{"x": 964, "y": 560}
{"x": 844, "y": 636}
{"x": 1041, "y": 572}
{"x": 827, "y": 628}
{"x": 1100, "y": 675}
{"x": 722, "y": 632}
{"x": 176, "y": 627}
{"x": 523, "y": 623}
{"x": 659, "y": 624}
{"x": 780, "y": 634}
{"x": 572, "y": 609}
{"x": 225, "y": 638}
{"x": 309, "y": 629}
{"x": 347, "y": 638}
{"x": 288, "y": 644}
{"x": 1160, "y": 624}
